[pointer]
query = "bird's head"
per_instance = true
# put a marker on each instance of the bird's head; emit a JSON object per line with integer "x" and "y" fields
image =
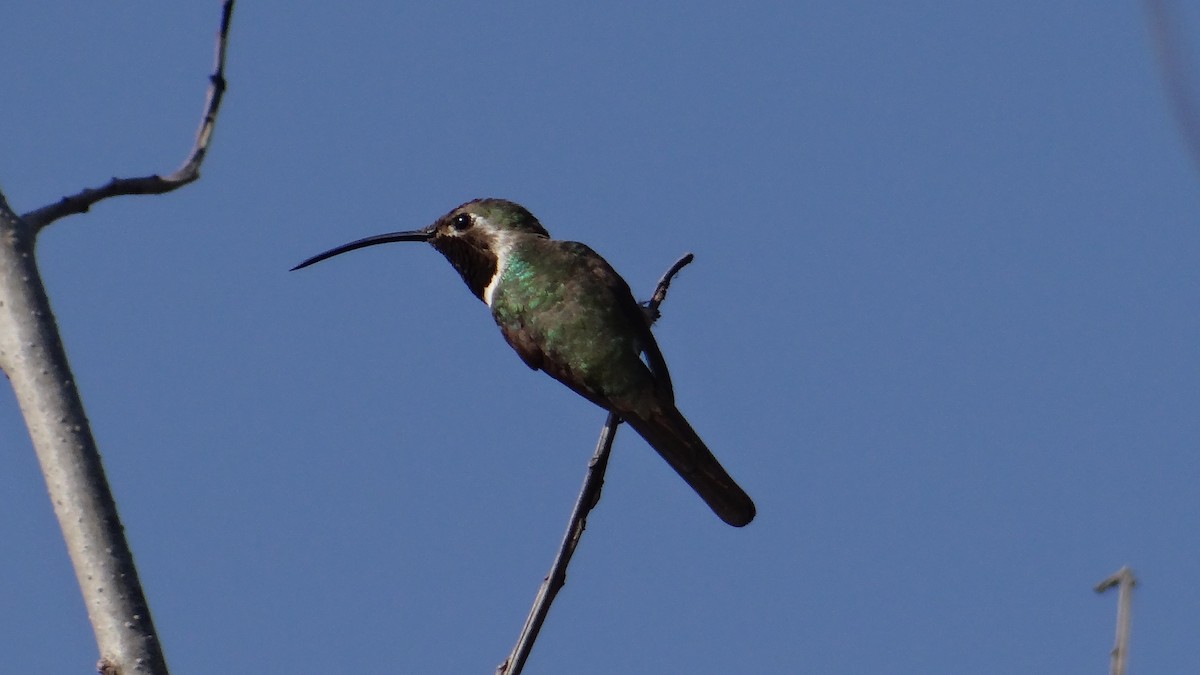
{"x": 475, "y": 237}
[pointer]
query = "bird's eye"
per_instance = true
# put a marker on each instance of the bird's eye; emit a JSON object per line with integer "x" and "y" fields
{"x": 461, "y": 222}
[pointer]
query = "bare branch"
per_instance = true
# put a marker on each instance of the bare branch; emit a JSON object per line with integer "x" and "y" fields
{"x": 589, "y": 496}
{"x": 33, "y": 357}
{"x": 153, "y": 185}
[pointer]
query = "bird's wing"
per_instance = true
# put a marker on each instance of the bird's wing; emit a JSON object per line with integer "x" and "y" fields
{"x": 636, "y": 316}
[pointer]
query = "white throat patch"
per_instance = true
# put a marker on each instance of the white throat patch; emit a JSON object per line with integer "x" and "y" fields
{"x": 502, "y": 245}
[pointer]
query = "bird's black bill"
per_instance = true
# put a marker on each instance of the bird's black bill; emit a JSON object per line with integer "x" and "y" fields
{"x": 411, "y": 235}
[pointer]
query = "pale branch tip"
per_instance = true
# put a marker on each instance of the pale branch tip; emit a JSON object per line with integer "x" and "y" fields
{"x": 1123, "y": 574}
{"x": 1125, "y": 581}
{"x": 154, "y": 184}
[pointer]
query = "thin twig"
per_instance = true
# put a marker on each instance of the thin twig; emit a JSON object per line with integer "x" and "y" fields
{"x": 664, "y": 284}
{"x": 589, "y": 496}
{"x": 154, "y": 184}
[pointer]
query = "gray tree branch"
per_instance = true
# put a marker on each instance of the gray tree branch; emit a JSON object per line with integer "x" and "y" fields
{"x": 34, "y": 359}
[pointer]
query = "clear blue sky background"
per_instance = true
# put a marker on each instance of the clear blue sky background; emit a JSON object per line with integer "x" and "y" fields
{"x": 942, "y": 325}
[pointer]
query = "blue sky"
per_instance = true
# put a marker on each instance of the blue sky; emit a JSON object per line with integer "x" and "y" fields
{"x": 941, "y": 325}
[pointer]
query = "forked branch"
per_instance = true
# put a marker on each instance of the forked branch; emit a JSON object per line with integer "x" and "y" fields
{"x": 34, "y": 359}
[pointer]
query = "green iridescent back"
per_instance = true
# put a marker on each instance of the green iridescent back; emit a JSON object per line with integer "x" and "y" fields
{"x": 566, "y": 312}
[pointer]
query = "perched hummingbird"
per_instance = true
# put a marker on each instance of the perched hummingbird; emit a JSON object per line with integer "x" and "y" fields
{"x": 566, "y": 311}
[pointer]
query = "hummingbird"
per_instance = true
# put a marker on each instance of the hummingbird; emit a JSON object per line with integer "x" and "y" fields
{"x": 567, "y": 312}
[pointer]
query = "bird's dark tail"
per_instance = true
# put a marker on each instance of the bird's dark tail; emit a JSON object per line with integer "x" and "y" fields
{"x": 673, "y": 438}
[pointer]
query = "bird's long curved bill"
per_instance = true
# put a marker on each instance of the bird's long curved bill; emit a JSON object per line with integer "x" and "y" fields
{"x": 411, "y": 235}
